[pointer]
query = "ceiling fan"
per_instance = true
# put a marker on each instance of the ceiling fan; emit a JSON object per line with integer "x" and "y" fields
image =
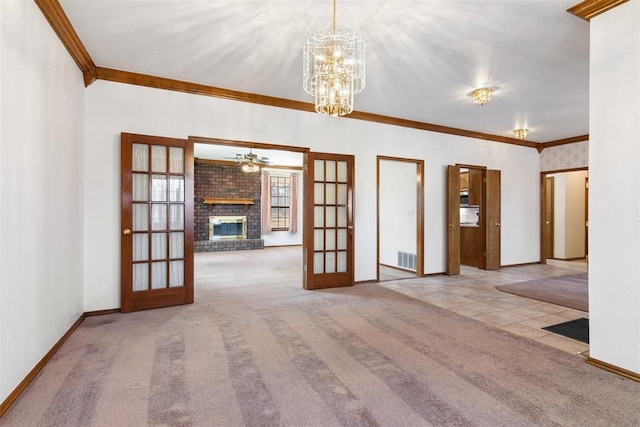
{"x": 250, "y": 162}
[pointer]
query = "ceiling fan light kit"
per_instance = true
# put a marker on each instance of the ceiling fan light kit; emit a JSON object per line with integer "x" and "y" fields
{"x": 333, "y": 68}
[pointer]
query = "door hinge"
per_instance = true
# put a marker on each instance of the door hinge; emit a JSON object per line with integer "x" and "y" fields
{"x": 586, "y": 185}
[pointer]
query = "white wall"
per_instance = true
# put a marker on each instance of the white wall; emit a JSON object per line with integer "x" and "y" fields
{"x": 614, "y": 182}
{"x": 286, "y": 238}
{"x": 113, "y": 108}
{"x": 397, "y": 210}
{"x": 41, "y": 176}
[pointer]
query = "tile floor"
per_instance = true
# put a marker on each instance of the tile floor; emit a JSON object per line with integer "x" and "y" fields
{"x": 473, "y": 295}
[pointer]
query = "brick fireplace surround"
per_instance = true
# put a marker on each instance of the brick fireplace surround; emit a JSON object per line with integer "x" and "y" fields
{"x": 228, "y": 182}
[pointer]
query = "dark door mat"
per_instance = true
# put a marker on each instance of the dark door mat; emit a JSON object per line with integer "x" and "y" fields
{"x": 577, "y": 329}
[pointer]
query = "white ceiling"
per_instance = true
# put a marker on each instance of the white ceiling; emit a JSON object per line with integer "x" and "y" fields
{"x": 423, "y": 56}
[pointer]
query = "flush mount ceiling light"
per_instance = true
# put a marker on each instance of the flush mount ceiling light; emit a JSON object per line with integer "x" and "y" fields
{"x": 333, "y": 68}
{"x": 482, "y": 95}
{"x": 521, "y": 133}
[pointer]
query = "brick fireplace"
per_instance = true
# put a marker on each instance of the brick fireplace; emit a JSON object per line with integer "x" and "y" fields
{"x": 217, "y": 187}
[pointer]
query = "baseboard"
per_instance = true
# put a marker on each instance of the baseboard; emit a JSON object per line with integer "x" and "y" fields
{"x": 613, "y": 368}
{"x": 101, "y": 312}
{"x": 521, "y": 264}
{"x": 15, "y": 394}
{"x": 395, "y": 267}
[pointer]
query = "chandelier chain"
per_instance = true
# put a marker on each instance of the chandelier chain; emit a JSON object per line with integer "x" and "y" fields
{"x": 334, "y": 17}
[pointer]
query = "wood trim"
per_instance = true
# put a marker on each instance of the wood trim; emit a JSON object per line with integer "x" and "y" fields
{"x": 138, "y": 79}
{"x": 53, "y": 12}
{"x": 216, "y": 162}
{"x": 55, "y": 15}
{"x": 248, "y": 144}
{"x": 588, "y": 9}
{"x": 101, "y": 312}
{"x": 128, "y": 77}
{"x": 223, "y": 201}
{"x": 15, "y": 394}
{"x": 613, "y": 368}
{"x": 584, "y": 168}
{"x": 564, "y": 141}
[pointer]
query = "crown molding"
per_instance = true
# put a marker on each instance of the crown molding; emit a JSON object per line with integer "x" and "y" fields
{"x": 588, "y": 9}
{"x": 53, "y": 12}
{"x": 557, "y": 142}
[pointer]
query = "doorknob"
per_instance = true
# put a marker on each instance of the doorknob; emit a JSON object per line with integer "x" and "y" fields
{"x": 126, "y": 232}
{"x": 548, "y": 222}
{"x": 497, "y": 224}
{"x": 350, "y": 227}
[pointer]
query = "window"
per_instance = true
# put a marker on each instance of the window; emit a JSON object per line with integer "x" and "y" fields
{"x": 280, "y": 212}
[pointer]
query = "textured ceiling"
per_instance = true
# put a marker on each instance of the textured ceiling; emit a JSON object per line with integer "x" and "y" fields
{"x": 423, "y": 56}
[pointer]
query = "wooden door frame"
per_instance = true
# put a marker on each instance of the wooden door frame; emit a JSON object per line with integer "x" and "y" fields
{"x": 550, "y": 234}
{"x": 543, "y": 176}
{"x": 260, "y": 145}
{"x": 419, "y": 212}
{"x": 482, "y": 225}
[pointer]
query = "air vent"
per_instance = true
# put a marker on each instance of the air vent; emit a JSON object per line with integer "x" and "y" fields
{"x": 407, "y": 260}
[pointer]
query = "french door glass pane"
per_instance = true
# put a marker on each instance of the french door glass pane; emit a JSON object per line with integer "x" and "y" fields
{"x": 158, "y": 216}
{"x": 342, "y": 171}
{"x": 342, "y": 239}
{"x": 331, "y": 194}
{"x": 159, "y": 246}
{"x": 342, "y": 194}
{"x": 318, "y": 193}
{"x": 140, "y": 217}
{"x": 176, "y": 273}
{"x": 158, "y": 158}
{"x": 176, "y": 216}
{"x": 330, "y": 242}
{"x": 140, "y": 187}
{"x": 158, "y": 275}
{"x": 331, "y": 171}
{"x": 176, "y": 189}
{"x": 330, "y": 266}
{"x": 176, "y": 248}
{"x": 158, "y": 188}
{"x": 318, "y": 240}
{"x": 140, "y": 247}
{"x": 342, "y": 262}
{"x": 318, "y": 170}
{"x": 330, "y": 217}
{"x": 140, "y": 157}
{"x": 318, "y": 216}
{"x": 342, "y": 216}
{"x": 318, "y": 262}
{"x": 176, "y": 160}
{"x": 140, "y": 277}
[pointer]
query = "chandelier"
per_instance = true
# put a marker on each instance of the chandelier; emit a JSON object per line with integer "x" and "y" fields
{"x": 333, "y": 68}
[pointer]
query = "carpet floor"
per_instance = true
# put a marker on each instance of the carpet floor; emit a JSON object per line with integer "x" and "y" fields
{"x": 269, "y": 354}
{"x": 570, "y": 291}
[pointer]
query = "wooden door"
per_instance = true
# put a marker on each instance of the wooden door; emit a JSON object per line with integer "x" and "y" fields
{"x": 328, "y": 247}
{"x": 548, "y": 216}
{"x": 492, "y": 219}
{"x": 453, "y": 220}
{"x": 157, "y": 222}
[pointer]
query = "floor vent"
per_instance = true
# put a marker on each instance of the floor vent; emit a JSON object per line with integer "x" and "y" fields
{"x": 407, "y": 260}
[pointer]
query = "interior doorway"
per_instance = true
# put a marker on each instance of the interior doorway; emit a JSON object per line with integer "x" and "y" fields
{"x": 225, "y": 188}
{"x": 473, "y": 217}
{"x": 564, "y": 215}
{"x": 400, "y": 218}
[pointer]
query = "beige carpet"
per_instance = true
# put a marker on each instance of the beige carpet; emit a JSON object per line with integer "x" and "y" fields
{"x": 571, "y": 290}
{"x": 268, "y": 354}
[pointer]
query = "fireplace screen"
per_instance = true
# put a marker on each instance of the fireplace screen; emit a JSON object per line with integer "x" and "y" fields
{"x": 227, "y": 227}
